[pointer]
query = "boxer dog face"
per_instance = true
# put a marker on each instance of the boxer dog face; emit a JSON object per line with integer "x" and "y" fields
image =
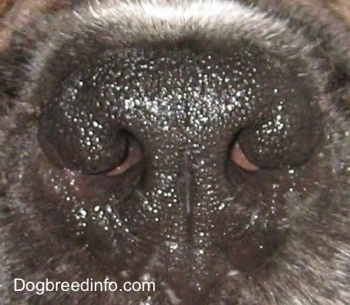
{"x": 202, "y": 146}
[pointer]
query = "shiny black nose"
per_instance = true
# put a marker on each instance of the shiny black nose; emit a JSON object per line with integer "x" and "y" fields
{"x": 178, "y": 152}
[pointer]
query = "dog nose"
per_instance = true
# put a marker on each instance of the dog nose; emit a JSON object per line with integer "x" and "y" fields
{"x": 207, "y": 127}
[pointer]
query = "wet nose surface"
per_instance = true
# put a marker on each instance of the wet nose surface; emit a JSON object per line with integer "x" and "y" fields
{"x": 184, "y": 206}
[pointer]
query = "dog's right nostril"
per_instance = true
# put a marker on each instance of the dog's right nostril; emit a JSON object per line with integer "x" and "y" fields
{"x": 74, "y": 139}
{"x": 132, "y": 157}
{"x": 239, "y": 158}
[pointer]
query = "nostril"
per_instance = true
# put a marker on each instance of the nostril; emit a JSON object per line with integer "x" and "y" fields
{"x": 285, "y": 135}
{"x": 69, "y": 147}
{"x": 239, "y": 158}
{"x": 73, "y": 138}
{"x": 133, "y": 156}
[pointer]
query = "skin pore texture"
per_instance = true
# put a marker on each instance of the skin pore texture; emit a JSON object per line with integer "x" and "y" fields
{"x": 199, "y": 145}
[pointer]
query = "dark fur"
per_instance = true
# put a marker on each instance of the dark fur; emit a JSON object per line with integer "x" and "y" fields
{"x": 311, "y": 263}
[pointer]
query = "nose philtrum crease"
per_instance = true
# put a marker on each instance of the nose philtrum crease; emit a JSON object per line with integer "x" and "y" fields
{"x": 185, "y": 185}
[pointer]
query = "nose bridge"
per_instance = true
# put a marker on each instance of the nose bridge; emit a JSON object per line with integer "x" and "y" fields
{"x": 191, "y": 180}
{"x": 186, "y": 151}
{"x": 190, "y": 169}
